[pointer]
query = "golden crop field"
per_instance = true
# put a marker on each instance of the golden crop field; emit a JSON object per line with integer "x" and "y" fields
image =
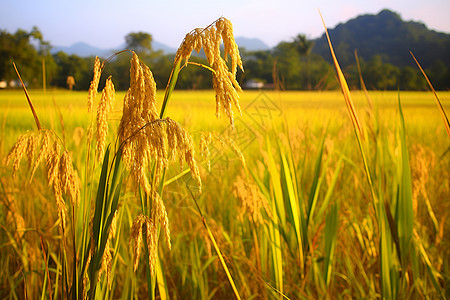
{"x": 302, "y": 195}
{"x": 239, "y": 202}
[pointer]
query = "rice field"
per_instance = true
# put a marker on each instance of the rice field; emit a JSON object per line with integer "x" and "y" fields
{"x": 296, "y": 221}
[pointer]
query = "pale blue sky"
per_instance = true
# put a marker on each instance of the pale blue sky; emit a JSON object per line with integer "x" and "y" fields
{"x": 104, "y": 24}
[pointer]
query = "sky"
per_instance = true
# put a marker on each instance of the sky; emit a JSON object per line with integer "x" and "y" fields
{"x": 104, "y": 24}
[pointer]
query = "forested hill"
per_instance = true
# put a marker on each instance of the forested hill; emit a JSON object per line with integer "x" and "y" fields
{"x": 388, "y": 36}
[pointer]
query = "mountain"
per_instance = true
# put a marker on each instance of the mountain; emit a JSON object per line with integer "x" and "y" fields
{"x": 163, "y": 47}
{"x": 85, "y": 50}
{"x": 387, "y": 35}
{"x": 251, "y": 44}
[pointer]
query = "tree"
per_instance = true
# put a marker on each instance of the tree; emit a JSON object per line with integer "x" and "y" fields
{"x": 72, "y": 65}
{"x": 379, "y": 75}
{"x": 288, "y": 65}
{"x": 258, "y": 65}
{"x": 303, "y": 45}
{"x": 139, "y": 42}
{"x": 439, "y": 75}
{"x": 29, "y": 52}
{"x": 410, "y": 79}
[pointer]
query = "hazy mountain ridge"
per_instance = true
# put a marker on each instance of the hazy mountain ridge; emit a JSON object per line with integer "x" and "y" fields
{"x": 84, "y": 50}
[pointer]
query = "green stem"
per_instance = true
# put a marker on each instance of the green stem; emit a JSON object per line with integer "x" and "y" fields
{"x": 170, "y": 87}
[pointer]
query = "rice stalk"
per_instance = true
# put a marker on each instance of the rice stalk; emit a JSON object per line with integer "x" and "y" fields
{"x": 36, "y": 119}
{"x": 345, "y": 90}
{"x": 438, "y": 102}
{"x": 353, "y": 116}
{"x": 216, "y": 247}
{"x": 170, "y": 87}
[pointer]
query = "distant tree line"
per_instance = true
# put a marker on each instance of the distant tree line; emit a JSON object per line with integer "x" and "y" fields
{"x": 290, "y": 65}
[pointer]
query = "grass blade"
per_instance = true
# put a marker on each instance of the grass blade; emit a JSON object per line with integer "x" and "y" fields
{"x": 315, "y": 186}
{"x": 329, "y": 194}
{"x": 295, "y": 208}
{"x": 404, "y": 211}
{"x": 161, "y": 280}
{"x": 279, "y": 221}
{"x": 99, "y": 203}
{"x": 331, "y": 226}
{"x": 275, "y": 180}
{"x": 387, "y": 278}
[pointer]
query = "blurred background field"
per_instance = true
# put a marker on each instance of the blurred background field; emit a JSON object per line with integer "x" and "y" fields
{"x": 195, "y": 109}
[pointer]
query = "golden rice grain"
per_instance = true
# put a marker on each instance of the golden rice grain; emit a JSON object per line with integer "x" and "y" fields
{"x": 253, "y": 201}
{"x": 16, "y": 153}
{"x": 146, "y": 138}
{"x": 92, "y": 93}
{"x": 226, "y": 140}
{"x": 103, "y": 109}
{"x": 136, "y": 237}
{"x": 205, "y": 140}
{"x": 225, "y": 27}
{"x": 139, "y": 224}
{"x": 159, "y": 216}
{"x": 14, "y": 217}
{"x": 61, "y": 176}
{"x": 32, "y": 144}
{"x": 181, "y": 141}
{"x": 106, "y": 262}
{"x": 52, "y": 163}
{"x": 224, "y": 81}
{"x": 69, "y": 178}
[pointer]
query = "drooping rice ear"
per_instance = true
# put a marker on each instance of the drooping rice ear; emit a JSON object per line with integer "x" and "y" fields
{"x": 92, "y": 93}
{"x": 103, "y": 109}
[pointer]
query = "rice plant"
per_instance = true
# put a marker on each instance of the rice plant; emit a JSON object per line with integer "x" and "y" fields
{"x": 145, "y": 142}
